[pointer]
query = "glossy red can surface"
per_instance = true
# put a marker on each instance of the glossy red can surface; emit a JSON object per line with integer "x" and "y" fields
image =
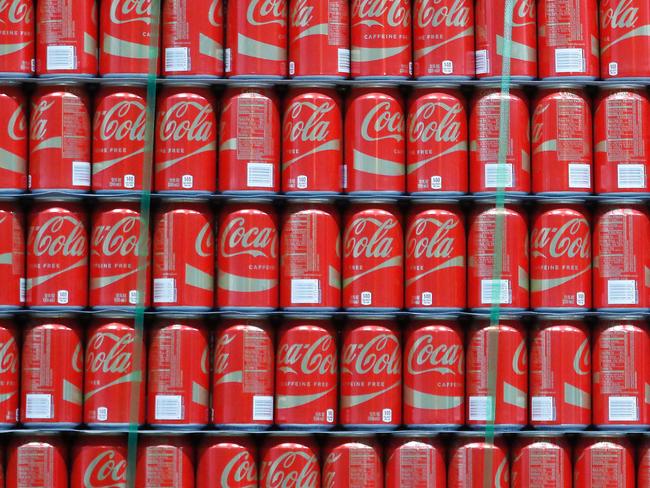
{"x": 290, "y": 460}
{"x": 14, "y": 140}
{"x": 165, "y": 462}
{"x": 352, "y": 461}
{"x": 415, "y": 461}
{"x": 603, "y": 462}
{"x": 226, "y": 461}
{"x": 541, "y": 461}
{"x": 99, "y": 461}
{"x": 9, "y": 373}
{"x": 17, "y": 58}
{"x": 468, "y": 459}
{"x": 643, "y": 464}
{"x": 37, "y": 461}
{"x": 12, "y": 256}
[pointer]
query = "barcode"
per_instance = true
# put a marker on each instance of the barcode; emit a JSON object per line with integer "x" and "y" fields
{"x": 164, "y": 290}
{"x": 38, "y": 406}
{"x": 579, "y": 175}
{"x": 498, "y": 175}
{"x": 621, "y": 292}
{"x": 569, "y": 60}
{"x": 631, "y": 176}
{"x": 305, "y": 291}
{"x": 344, "y": 60}
{"x": 227, "y": 60}
{"x": 480, "y": 408}
{"x": 542, "y": 408}
{"x": 80, "y": 173}
{"x": 61, "y": 57}
{"x": 262, "y": 407}
{"x": 344, "y": 175}
{"x": 177, "y": 59}
{"x": 503, "y": 287}
{"x": 169, "y": 407}
{"x": 23, "y": 289}
{"x": 623, "y": 409}
{"x": 259, "y": 175}
{"x": 482, "y": 62}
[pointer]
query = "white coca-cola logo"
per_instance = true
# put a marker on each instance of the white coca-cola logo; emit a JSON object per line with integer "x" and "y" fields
{"x": 520, "y": 359}
{"x": 372, "y": 12}
{"x": 117, "y": 125}
{"x": 378, "y": 245}
{"x": 17, "y": 11}
{"x": 176, "y": 124}
{"x": 307, "y": 122}
{"x": 380, "y": 123}
{"x": 214, "y": 13}
{"x": 571, "y": 239}
{"x": 52, "y": 238}
{"x": 203, "y": 241}
{"x": 238, "y": 239}
{"x": 118, "y": 359}
{"x": 77, "y": 359}
{"x": 17, "y": 126}
{"x": 623, "y": 16}
{"x": 302, "y": 14}
{"x": 106, "y": 471}
{"x": 438, "y": 245}
{"x": 426, "y": 125}
{"x": 126, "y": 11}
{"x": 119, "y": 238}
{"x": 582, "y": 360}
{"x": 264, "y": 12}
{"x": 293, "y": 469}
{"x": 8, "y": 356}
{"x": 240, "y": 471}
{"x": 432, "y": 13}
{"x": 221, "y": 354}
{"x": 316, "y": 358}
{"x": 39, "y": 122}
{"x": 525, "y": 9}
{"x": 329, "y": 469}
{"x": 381, "y": 354}
{"x": 426, "y": 356}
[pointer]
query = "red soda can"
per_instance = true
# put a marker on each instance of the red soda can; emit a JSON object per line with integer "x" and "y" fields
{"x": 9, "y": 373}
{"x": 178, "y": 386}
{"x": 183, "y": 256}
{"x": 623, "y": 37}
{"x": 12, "y": 256}
{"x": 560, "y": 374}
{"x": 415, "y": 460}
{"x": 471, "y": 456}
{"x": 375, "y": 159}
{"x": 541, "y": 459}
{"x": 119, "y": 127}
{"x": 491, "y": 39}
{"x": 256, "y": 39}
{"x": 622, "y": 140}
{"x": 226, "y": 461}
{"x": 486, "y": 172}
{"x": 319, "y": 39}
{"x": 443, "y": 39}
{"x": 434, "y": 374}
{"x": 312, "y": 148}
{"x": 127, "y": 29}
{"x": 603, "y": 461}
{"x": 186, "y": 140}
{"x": 192, "y": 38}
{"x": 248, "y": 267}
{"x": 115, "y": 262}
{"x": 36, "y": 460}
{"x": 306, "y": 349}
{"x": 562, "y": 141}
{"x": 621, "y": 373}
{"x": 290, "y": 461}
{"x": 14, "y": 140}
{"x": 510, "y": 359}
{"x": 568, "y": 39}
{"x": 99, "y": 461}
{"x": 242, "y": 381}
{"x": 371, "y": 374}
{"x": 115, "y": 366}
{"x": 512, "y": 284}
{"x": 310, "y": 268}
{"x": 621, "y": 257}
{"x": 66, "y": 38}
{"x": 373, "y": 250}
{"x": 560, "y": 262}
{"x": 381, "y": 39}
{"x": 59, "y": 141}
{"x": 57, "y": 256}
{"x": 249, "y": 138}
{"x": 164, "y": 461}
{"x": 643, "y": 463}
{"x": 435, "y": 257}
{"x": 52, "y": 373}
{"x": 436, "y": 144}
{"x": 352, "y": 460}
{"x": 17, "y": 41}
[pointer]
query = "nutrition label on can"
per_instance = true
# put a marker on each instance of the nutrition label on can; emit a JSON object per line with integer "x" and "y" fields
{"x": 625, "y": 130}
{"x": 337, "y": 21}
{"x": 617, "y": 363}
{"x": 257, "y": 363}
{"x": 74, "y": 130}
{"x": 544, "y": 467}
{"x": 302, "y": 246}
{"x": 563, "y": 26}
{"x": 362, "y": 464}
{"x": 415, "y": 467}
{"x": 571, "y": 118}
{"x": 254, "y": 140}
{"x": 617, "y": 239}
{"x": 35, "y": 467}
{"x": 163, "y": 467}
{"x": 489, "y": 130}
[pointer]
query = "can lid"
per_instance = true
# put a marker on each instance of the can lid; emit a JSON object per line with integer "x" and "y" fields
{"x": 376, "y": 84}
{"x": 561, "y": 201}
{"x": 117, "y": 199}
{"x": 58, "y": 82}
{"x": 614, "y": 436}
{"x": 184, "y": 199}
{"x": 497, "y": 84}
{"x": 359, "y": 200}
{"x": 289, "y": 434}
{"x": 504, "y": 316}
{"x": 477, "y": 435}
{"x": 543, "y": 434}
{"x": 51, "y": 314}
{"x": 56, "y": 199}
{"x": 186, "y": 83}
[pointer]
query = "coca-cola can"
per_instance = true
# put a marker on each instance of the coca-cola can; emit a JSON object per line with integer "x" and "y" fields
{"x": 192, "y": 38}
{"x": 312, "y": 148}
{"x": 622, "y": 140}
{"x": 14, "y": 138}
{"x": 115, "y": 368}
{"x": 128, "y": 38}
{"x": 12, "y": 256}
{"x": 443, "y": 39}
{"x": 493, "y": 35}
{"x": 352, "y": 460}
{"x": 116, "y": 265}
{"x": 59, "y": 141}
{"x": 643, "y": 462}
{"x": 249, "y": 139}
{"x": 623, "y": 38}
{"x": 119, "y": 128}
{"x": 290, "y": 460}
{"x": 510, "y": 288}
{"x": 375, "y": 159}
{"x": 621, "y": 256}
{"x": 17, "y": 40}
{"x": 57, "y": 256}
{"x": 9, "y": 373}
{"x": 319, "y": 39}
{"x": 560, "y": 374}
{"x": 371, "y": 374}
{"x": 310, "y": 267}
{"x": 436, "y": 144}
{"x": 248, "y": 266}
{"x": 186, "y": 140}
{"x": 226, "y": 461}
{"x": 500, "y": 348}
{"x": 487, "y": 172}
{"x": 66, "y": 38}
{"x": 415, "y": 460}
{"x": 477, "y": 462}
{"x": 256, "y": 39}
{"x": 99, "y": 461}
{"x": 37, "y": 460}
{"x": 183, "y": 256}
{"x": 434, "y": 374}
{"x": 541, "y": 459}
{"x": 164, "y": 461}
{"x": 560, "y": 257}
{"x": 381, "y": 39}
{"x": 435, "y": 256}
{"x": 621, "y": 373}
{"x": 306, "y": 349}
{"x": 243, "y": 374}
{"x": 605, "y": 460}
{"x": 562, "y": 141}
{"x": 178, "y": 386}
{"x": 52, "y": 366}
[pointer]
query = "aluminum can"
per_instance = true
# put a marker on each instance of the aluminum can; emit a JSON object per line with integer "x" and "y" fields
{"x": 14, "y": 138}
{"x": 17, "y": 58}
{"x": 471, "y": 456}
{"x": 226, "y": 461}
{"x": 352, "y": 461}
{"x": 602, "y": 461}
{"x": 36, "y": 461}
{"x": 99, "y": 461}
{"x": 643, "y": 463}
{"x": 9, "y": 373}
{"x": 415, "y": 460}
{"x": 59, "y": 141}
{"x": 164, "y": 462}
{"x": 542, "y": 460}
{"x": 12, "y": 256}
{"x": 290, "y": 461}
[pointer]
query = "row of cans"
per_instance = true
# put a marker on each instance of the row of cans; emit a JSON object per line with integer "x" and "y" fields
{"x": 372, "y": 258}
{"x": 372, "y": 143}
{"x": 432, "y": 373}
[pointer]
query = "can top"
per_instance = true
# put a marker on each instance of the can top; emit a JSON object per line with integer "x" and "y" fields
{"x": 289, "y": 434}
{"x": 56, "y": 199}
{"x": 114, "y": 314}
{"x": 497, "y": 84}
{"x": 614, "y": 436}
{"x": 374, "y": 201}
{"x": 540, "y": 434}
{"x": 58, "y": 82}
{"x": 51, "y": 315}
{"x": 376, "y": 84}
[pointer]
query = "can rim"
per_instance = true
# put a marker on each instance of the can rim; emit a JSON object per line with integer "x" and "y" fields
{"x": 51, "y": 315}
{"x": 621, "y": 201}
{"x": 436, "y": 201}
{"x": 563, "y": 86}
{"x": 497, "y": 84}
{"x": 442, "y": 84}
{"x": 289, "y": 434}
{"x": 404, "y": 434}
{"x": 116, "y": 314}
{"x": 56, "y": 199}
{"x": 560, "y": 316}
{"x": 300, "y": 200}
{"x": 318, "y": 84}
{"x": 562, "y": 201}
{"x": 626, "y": 316}
{"x": 434, "y": 316}
{"x": 235, "y": 200}
{"x": 533, "y": 434}
{"x": 307, "y": 316}
{"x": 354, "y": 435}
{"x": 126, "y": 83}
{"x": 247, "y": 316}
{"x": 622, "y": 86}
{"x": 382, "y": 317}
{"x": 249, "y": 84}
{"x": 374, "y": 201}
{"x": 376, "y": 84}
{"x": 177, "y": 316}
{"x": 57, "y": 82}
